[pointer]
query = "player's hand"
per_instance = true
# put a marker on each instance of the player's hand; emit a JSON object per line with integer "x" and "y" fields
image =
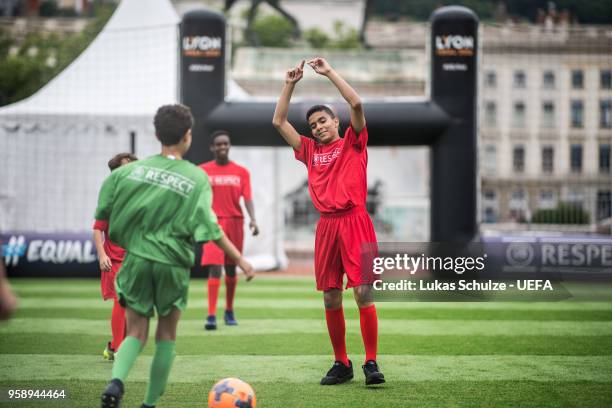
{"x": 295, "y": 74}
{"x": 253, "y": 227}
{"x": 249, "y": 272}
{"x": 320, "y": 66}
{"x": 105, "y": 263}
{"x": 8, "y": 301}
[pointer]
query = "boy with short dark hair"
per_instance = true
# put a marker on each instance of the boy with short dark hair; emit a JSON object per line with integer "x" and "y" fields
{"x": 110, "y": 256}
{"x": 337, "y": 182}
{"x": 158, "y": 208}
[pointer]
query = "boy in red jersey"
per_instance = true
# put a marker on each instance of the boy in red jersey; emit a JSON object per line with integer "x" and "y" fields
{"x": 338, "y": 187}
{"x": 229, "y": 182}
{"x": 111, "y": 256}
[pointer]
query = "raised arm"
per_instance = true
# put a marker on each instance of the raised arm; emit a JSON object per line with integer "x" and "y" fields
{"x": 322, "y": 67}
{"x": 280, "y": 122}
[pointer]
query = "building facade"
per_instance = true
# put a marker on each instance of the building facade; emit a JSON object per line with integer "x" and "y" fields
{"x": 546, "y": 123}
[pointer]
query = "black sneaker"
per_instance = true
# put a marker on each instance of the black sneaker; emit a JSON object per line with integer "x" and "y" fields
{"x": 147, "y": 406}
{"x": 111, "y": 397}
{"x": 211, "y": 323}
{"x": 338, "y": 374}
{"x": 229, "y": 318}
{"x": 372, "y": 373}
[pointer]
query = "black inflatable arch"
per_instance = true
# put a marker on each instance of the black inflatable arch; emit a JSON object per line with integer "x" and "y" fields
{"x": 446, "y": 122}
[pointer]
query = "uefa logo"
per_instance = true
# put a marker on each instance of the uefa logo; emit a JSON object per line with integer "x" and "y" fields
{"x": 519, "y": 254}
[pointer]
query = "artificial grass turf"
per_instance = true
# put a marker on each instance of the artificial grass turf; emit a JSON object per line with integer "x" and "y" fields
{"x": 421, "y": 394}
{"x": 434, "y": 355}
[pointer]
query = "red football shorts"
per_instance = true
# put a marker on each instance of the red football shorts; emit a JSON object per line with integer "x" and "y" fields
{"x": 107, "y": 281}
{"x": 234, "y": 230}
{"x": 344, "y": 242}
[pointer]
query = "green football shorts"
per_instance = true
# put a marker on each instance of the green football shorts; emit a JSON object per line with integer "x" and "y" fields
{"x": 143, "y": 284}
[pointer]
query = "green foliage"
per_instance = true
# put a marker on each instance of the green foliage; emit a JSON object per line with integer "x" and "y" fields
{"x": 565, "y": 213}
{"x": 347, "y": 38}
{"x": 41, "y": 57}
{"x": 592, "y": 11}
{"x": 48, "y": 8}
{"x": 316, "y": 38}
{"x": 271, "y": 31}
{"x": 478, "y": 354}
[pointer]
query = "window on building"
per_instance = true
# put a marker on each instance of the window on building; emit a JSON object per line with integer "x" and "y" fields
{"x": 518, "y": 159}
{"x": 604, "y": 204}
{"x": 605, "y": 113}
{"x": 576, "y": 158}
{"x": 490, "y": 113}
{"x": 490, "y": 159}
{"x": 518, "y": 194}
{"x": 490, "y": 215}
{"x": 548, "y": 80}
{"x": 577, "y": 113}
{"x": 604, "y": 158}
{"x": 520, "y": 79}
{"x": 577, "y": 79}
{"x": 605, "y": 79}
{"x": 547, "y": 199}
{"x": 490, "y": 79}
{"x": 548, "y": 114}
{"x": 575, "y": 197}
{"x": 518, "y": 204}
{"x": 518, "y": 114}
{"x": 548, "y": 153}
{"x": 489, "y": 195}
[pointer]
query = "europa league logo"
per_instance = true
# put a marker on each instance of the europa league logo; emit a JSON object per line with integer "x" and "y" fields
{"x": 519, "y": 254}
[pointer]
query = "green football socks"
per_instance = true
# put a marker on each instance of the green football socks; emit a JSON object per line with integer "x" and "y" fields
{"x": 160, "y": 370}
{"x": 125, "y": 357}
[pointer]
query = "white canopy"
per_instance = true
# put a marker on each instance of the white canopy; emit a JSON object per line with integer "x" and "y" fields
{"x": 130, "y": 69}
{"x": 54, "y": 145}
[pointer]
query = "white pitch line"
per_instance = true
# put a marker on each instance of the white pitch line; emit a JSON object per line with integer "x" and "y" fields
{"x": 194, "y": 327}
{"x": 76, "y": 303}
{"x": 199, "y": 369}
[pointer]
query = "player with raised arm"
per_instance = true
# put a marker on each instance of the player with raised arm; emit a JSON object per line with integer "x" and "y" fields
{"x": 110, "y": 256}
{"x": 229, "y": 182}
{"x": 337, "y": 183}
{"x": 158, "y": 208}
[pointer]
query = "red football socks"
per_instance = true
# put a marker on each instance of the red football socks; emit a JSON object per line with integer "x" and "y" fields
{"x": 230, "y": 290}
{"x": 117, "y": 325}
{"x": 213, "y": 294}
{"x": 337, "y": 330}
{"x": 369, "y": 330}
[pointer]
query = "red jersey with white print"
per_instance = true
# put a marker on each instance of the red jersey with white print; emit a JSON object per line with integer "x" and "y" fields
{"x": 113, "y": 251}
{"x": 229, "y": 182}
{"x": 337, "y": 172}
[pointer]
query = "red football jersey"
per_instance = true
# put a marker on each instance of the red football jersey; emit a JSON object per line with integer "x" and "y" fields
{"x": 229, "y": 182}
{"x": 337, "y": 172}
{"x": 114, "y": 251}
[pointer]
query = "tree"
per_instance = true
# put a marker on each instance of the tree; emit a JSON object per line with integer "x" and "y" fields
{"x": 272, "y": 31}
{"x": 251, "y": 35}
{"x": 41, "y": 57}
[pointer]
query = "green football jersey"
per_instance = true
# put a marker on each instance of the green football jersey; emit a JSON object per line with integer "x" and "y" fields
{"x": 158, "y": 208}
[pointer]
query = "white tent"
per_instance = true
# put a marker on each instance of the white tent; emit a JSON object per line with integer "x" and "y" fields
{"x": 54, "y": 145}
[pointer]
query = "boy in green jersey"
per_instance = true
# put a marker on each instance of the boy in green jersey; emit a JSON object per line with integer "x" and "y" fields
{"x": 157, "y": 209}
